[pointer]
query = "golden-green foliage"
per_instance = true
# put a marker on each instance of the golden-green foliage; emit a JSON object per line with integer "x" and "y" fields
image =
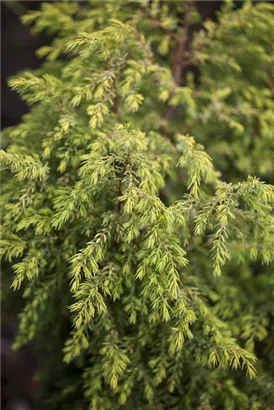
{"x": 144, "y": 252}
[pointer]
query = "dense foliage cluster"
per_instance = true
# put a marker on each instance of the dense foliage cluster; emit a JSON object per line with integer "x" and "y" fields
{"x": 139, "y": 216}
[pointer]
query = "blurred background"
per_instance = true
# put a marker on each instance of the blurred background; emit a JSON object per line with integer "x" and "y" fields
{"x": 17, "y": 52}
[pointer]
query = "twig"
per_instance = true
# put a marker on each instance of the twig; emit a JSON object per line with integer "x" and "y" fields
{"x": 180, "y": 60}
{"x": 159, "y": 23}
{"x": 119, "y": 188}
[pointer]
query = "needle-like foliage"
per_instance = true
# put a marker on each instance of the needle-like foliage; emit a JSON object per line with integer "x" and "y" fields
{"x": 135, "y": 213}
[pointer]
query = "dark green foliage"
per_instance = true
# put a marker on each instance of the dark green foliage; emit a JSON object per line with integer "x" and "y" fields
{"x": 145, "y": 254}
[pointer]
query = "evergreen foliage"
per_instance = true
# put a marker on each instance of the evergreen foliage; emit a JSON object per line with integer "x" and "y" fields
{"x": 137, "y": 220}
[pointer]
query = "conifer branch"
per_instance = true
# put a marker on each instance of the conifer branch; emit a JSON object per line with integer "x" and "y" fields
{"x": 140, "y": 279}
